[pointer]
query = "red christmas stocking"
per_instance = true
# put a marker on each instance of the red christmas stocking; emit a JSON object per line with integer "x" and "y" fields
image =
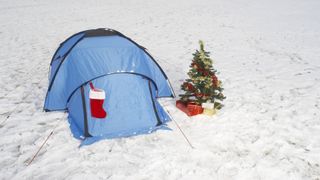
{"x": 97, "y": 97}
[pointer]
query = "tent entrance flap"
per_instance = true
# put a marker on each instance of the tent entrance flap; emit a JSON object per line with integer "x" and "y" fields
{"x": 129, "y": 103}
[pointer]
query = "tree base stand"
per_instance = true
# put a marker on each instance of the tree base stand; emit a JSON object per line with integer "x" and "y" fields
{"x": 191, "y": 109}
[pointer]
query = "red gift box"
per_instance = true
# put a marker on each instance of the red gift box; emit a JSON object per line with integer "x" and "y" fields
{"x": 190, "y": 108}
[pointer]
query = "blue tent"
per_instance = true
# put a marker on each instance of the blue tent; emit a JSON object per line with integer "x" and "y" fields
{"x": 125, "y": 77}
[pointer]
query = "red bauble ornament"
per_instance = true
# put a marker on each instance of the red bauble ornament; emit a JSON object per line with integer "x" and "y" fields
{"x": 214, "y": 80}
{"x": 188, "y": 86}
{"x": 195, "y": 65}
{"x": 205, "y": 73}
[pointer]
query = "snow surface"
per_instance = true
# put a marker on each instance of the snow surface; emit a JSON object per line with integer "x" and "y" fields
{"x": 268, "y": 56}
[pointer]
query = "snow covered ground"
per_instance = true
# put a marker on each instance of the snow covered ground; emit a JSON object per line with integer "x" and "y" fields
{"x": 268, "y": 55}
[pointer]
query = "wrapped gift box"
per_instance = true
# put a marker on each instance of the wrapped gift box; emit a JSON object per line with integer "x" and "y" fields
{"x": 209, "y": 112}
{"x": 191, "y": 109}
{"x": 194, "y": 109}
{"x": 208, "y": 105}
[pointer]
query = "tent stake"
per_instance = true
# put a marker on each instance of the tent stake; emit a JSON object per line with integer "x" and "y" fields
{"x": 36, "y": 154}
{"x": 183, "y": 134}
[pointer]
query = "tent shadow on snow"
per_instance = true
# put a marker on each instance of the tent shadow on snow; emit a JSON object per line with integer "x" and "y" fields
{"x": 109, "y": 85}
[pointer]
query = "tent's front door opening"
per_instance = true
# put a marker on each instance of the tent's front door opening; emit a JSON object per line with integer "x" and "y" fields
{"x": 129, "y": 103}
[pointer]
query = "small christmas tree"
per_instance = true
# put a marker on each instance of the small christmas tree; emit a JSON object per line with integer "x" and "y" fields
{"x": 203, "y": 84}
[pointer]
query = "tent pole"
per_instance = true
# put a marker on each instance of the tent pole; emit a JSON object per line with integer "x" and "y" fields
{"x": 183, "y": 134}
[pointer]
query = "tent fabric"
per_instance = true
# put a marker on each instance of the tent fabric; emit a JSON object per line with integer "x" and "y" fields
{"x": 131, "y": 78}
{"x": 80, "y": 66}
{"x": 62, "y": 50}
